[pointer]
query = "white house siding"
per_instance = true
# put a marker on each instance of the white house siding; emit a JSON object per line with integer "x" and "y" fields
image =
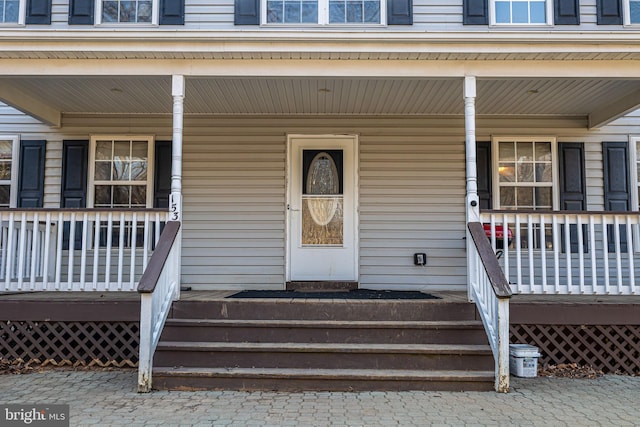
{"x": 411, "y": 193}
{"x": 432, "y": 16}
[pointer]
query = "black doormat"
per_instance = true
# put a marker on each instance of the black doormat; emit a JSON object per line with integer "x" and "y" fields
{"x": 352, "y": 294}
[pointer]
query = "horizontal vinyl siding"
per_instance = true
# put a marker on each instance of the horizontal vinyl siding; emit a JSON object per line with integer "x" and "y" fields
{"x": 430, "y": 16}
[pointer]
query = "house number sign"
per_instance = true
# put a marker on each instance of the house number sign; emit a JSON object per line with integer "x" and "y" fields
{"x": 175, "y": 204}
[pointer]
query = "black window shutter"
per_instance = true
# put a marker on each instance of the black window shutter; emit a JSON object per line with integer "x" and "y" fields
{"x": 573, "y": 188}
{"x": 475, "y": 12}
{"x": 483, "y": 166}
{"x": 73, "y": 194}
{"x": 81, "y": 12}
{"x": 31, "y": 174}
{"x": 400, "y": 12}
{"x": 567, "y": 12}
{"x": 162, "y": 175}
{"x": 617, "y": 194}
{"x": 609, "y": 12}
{"x": 247, "y": 12}
{"x": 171, "y": 12}
{"x": 38, "y": 12}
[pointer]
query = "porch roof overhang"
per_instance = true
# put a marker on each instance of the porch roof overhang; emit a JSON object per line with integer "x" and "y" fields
{"x": 591, "y": 76}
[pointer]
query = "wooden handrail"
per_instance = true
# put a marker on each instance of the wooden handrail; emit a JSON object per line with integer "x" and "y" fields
{"x": 551, "y": 212}
{"x": 89, "y": 210}
{"x": 489, "y": 261}
{"x": 151, "y": 275}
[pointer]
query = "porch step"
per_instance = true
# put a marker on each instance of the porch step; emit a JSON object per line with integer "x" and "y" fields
{"x": 324, "y": 331}
{"x": 314, "y": 344}
{"x": 282, "y": 379}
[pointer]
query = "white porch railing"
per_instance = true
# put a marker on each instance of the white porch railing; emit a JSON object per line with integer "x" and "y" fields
{"x": 565, "y": 252}
{"x": 490, "y": 291}
{"x": 158, "y": 288}
{"x": 76, "y": 250}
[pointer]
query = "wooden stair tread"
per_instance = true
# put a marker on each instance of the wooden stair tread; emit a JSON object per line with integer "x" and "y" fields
{"x": 364, "y": 324}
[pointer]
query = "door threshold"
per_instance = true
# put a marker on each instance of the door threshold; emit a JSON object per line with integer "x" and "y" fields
{"x": 321, "y": 286}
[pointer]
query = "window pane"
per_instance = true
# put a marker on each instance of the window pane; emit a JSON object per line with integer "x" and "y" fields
{"x": 5, "y": 170}
{"x": 543, "y": 198}
{"x": 103, "y": 171}
{"x": 538, "y": 12}
{"x": 524, "y": 197}
{"x": 507, "y": 197}
{"x": 127, "y": 11}
{"x": 274, "y": 11}
{"x": 139, "y": 150}
{"x": 322, "y": 221}
{"x": 5, "y": 192}
{"x": 507, "y": 151}
{"x": 634, "y": 7}
{"x": 121, "y": 195}
{"x": 103, "y": 150}
{"x": 520, "y": 12}
{"x": 372, "y": 12}
{"x": 144, "y": 11}
{"x": 336, "y": 12}
{"x": 525, "y": 151}
{"x": 525, "y": 172}
{"x": 138, "y": 196}
{"x": 109, "y": 11}
{"x": 121, "y": 171}
{"x": 503, "y": 12}
{"x": 6, "y": 149}
{"x": 121, "y": 150}
{"x": 138, "y": 171}
{"x": 292, "y": 12}
{"x": 103, "y": 196}
{"x": 310, "y": 12}
{"x": 354, "y": 11}
{"x": 543, "y": 172}
{"x": 11, "y": 11}
{"x": 543, "y": 151}
{"x": 507, "y": 172}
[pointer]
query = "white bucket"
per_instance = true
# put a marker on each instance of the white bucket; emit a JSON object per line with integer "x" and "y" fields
{"x": 523, "y": 360}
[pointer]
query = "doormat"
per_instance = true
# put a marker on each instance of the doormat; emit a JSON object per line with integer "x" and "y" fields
{"x": 352, "y": 294}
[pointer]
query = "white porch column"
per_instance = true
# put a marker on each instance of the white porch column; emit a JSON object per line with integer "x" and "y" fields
{"x": 472, "y": 206}
{"x": 175, "y": 199}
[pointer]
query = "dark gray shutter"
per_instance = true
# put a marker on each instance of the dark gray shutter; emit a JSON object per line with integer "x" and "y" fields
{"x": 567, "y": 12}
{"x": 31, "y": 174}
{"x": 81, "y": 12}
{"x": 171, "y": 12}
{"x": 475, "y": 12}
{"x": 162, "y": 175}
{"x": 483, "y": 165}
{"x": 247, "y": 12}
{"x": 617, "y": 192}
{"x": 73, "y": 194}
{"x": 400, "y": 12}
{"x": 609, "y": 12}
{"x": 572, "y": 188}
{"x": 38, "y": 12}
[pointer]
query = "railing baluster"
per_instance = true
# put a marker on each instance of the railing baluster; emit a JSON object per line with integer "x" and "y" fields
{"x": 10, "y": 252}
{"x": 616, "y": 221}
{"x": 121, "y": 250}
{"x": 145, "y": 245}
{"x": 35, "y": 259}
{"x": 556, "y": 253}
{"x": 134, "y": 242}
{"x": 630, "y": 250}
{"x": 518, "y": 255}
{"x": 543, "y": 253}
{"x": 107, "y": 268}
{"x": 72, "y": 247}
{"x": 581, "y": 254}
{"x": 505, "y": 246}
{"x": 58, "y": 268}
{"x": 46, "y": 252}
{"x": 96, "y": 249}
{"x": 567, "y": 251}
{"x": 594, "y": 265}
{"x": 605, "y": 249}
{"x": 530, "y": 248}
{"x": 22, "y": 250}
{"x": 83, "y": 250}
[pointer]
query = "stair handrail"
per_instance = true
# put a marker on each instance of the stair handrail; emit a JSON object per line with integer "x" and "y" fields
{"x": 491, "y": 292}
{"x": 159, "y": 286}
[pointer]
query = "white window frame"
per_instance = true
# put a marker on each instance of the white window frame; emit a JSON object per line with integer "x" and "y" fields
{"x": 496, "y": 140}
{"x": 92, "y": 164}
{"x": 323, "y": 17}
{"x": 154, "y": 17}
{"x": 626, "y": 7}
{"x": 22, "y": 11}
{"x": 15, "y": 165}
{"x": 634, "y": 141}
{"x": 548, "y": 13}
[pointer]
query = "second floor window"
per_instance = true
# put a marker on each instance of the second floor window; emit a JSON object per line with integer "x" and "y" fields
{"x": 520, "y": 12}
{"x": 11, "y": 11}
{"x": 323, "y": 12}
{"x": 127, "y": 11}
{"x": 8, "y": 173}
{"x": 632, "y": 12}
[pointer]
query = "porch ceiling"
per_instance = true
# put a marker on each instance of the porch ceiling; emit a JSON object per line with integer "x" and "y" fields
{"x": 44, "y": 97}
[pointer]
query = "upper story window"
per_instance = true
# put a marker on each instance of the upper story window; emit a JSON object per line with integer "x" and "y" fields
{"x": 8, "y": 170}
{"x": 127, "y": 11}
{"x": 120, "y": 175}
{"x": 521, "y": 12}
{"x": 324, "y": 12}
{"x": 12, "y": 11}
{"x": 632, "y": 12}
{"x": 525, "y": 173}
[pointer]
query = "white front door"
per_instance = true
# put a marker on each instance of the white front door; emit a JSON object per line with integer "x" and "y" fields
{"x": 322, "y": 195}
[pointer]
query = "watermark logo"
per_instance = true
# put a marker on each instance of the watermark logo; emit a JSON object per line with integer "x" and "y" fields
{"x": 36, "y": 415}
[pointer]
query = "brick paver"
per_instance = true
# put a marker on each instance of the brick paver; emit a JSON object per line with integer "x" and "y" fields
{"x": 109, "y": 398}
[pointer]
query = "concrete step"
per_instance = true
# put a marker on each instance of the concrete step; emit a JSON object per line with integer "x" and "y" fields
{"x": 322, "y": 309}
{"x": 323, "y": 355}
{"x": 320, "y": 379}
{"x": 325, "y": 331}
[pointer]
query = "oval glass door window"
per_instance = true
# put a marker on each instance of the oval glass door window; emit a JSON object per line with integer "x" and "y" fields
{"x": 322, "y": 215}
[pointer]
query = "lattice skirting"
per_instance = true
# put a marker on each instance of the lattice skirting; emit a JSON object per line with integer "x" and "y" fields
{"x": 70, "y": 343}
{"x": 610, "y": 348}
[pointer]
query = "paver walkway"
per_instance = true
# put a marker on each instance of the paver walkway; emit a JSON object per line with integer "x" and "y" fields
{"x": 109, "y": 398}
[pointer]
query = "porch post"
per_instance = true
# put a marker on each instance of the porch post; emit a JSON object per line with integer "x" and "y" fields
{"x": 472, "y": 208}
{"x": 175, "y": 202}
